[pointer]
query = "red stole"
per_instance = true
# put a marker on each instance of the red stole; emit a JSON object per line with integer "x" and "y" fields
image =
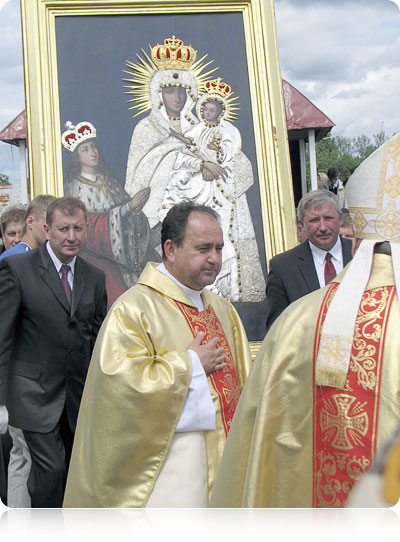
{"x": 225, "y": 381}
{"x": 345, "y": 421}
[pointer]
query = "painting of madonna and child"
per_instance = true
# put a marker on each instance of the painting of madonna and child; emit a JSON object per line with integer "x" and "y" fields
{"x": 185, "y": 144}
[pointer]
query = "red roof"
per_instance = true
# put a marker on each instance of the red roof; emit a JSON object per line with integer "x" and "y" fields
{"x": 300, "y": 112}
{"x": 15, "y": 130}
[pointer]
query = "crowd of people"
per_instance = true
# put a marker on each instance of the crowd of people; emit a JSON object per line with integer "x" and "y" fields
{"x": 153, "y": 400}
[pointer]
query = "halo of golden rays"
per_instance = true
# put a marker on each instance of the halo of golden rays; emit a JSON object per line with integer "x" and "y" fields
{"x": 220, "y": 91}
{"x": 229, "y": 105}
{"x": 141, "y": 73}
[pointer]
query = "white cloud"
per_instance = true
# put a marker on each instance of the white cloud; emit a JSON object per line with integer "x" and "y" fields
{"x": 344, "y": 55}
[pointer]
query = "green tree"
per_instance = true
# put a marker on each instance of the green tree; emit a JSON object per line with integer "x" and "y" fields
{"x": 345, "y": 153}
{"x": 4, "y": 178}
{"x": 327, "y": 153}
{"x": 380, "y": 138}
{"x": 363, "y": 146}
{"x": 344, "y": 145}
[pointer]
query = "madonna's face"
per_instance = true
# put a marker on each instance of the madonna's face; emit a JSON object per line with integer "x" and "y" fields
{"x": 174, "y": 99}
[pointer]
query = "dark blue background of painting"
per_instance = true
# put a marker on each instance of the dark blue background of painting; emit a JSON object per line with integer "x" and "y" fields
{"x": 92, "y": 53}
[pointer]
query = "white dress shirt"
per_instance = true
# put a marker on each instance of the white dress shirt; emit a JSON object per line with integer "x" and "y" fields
{"x": 58, "y": 263}
{"x": 198, "y": 413}
{"x": 319, "y": 259}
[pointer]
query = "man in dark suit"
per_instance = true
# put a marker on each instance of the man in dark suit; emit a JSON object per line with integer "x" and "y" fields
{"x": 311, "y": 265}
{"x": 54, "y": 304}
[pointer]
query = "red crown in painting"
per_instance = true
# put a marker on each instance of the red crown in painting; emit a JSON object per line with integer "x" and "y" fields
{"x": 74, "y": 135}
{"x": 217, "y": 86}
{"x": 173, "y": 55}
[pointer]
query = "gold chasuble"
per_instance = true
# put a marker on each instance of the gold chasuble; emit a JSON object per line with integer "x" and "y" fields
{"x": 137, "y": 385}
{"x": 296, "y": 444}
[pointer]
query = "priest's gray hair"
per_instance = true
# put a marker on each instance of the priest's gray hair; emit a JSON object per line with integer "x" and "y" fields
{"x": 317, "y": 198}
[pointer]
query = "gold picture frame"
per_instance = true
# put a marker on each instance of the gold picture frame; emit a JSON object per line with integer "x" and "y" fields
{"x": 51, "y": 29}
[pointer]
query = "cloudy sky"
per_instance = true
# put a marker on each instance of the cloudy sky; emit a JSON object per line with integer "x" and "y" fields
{"x": 342, "y": 54}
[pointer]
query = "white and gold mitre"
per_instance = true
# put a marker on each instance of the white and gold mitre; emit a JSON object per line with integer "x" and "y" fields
{"x": 74, "y": 135}
{"x": 373, "y": 198}
{"x": 173, "y": 55}
{"x": 373, "y": 194}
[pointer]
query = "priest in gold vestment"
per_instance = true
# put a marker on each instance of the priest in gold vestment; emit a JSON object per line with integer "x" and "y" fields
{"x": 164, "y": 380}
{"x": 323, "y": 396}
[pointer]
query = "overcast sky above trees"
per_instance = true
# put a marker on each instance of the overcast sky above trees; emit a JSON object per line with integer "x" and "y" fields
{"x": 342, "y": 54}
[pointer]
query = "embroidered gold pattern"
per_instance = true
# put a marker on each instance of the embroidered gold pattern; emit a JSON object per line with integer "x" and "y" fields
{"x": 333, "y": 350}
{"x": 392, "y": 187}
{"x": 225, "y": 381}
{"x": 387, "y": 224}
{"x": 343, "y": 422}
{"x": 231, "y": 392}
{"x": 359, "y": 222}
{"x": 364, "y": 353}
{"x": 330, "y": 489}
{"x": 382, "y": 217}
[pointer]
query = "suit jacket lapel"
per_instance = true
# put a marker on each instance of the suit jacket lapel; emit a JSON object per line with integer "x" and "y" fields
{"x": 306, "y": 265}
{"x": 51, "y": 278}
{"x": 346, "y": 250}
{"x": 79, "y": 285}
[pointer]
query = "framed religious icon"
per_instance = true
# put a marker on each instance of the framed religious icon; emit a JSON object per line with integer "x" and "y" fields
{"x": 135, "y": 106}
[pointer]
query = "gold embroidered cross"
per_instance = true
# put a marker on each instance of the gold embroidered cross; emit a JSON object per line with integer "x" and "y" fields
{"x": 344, "y": 424}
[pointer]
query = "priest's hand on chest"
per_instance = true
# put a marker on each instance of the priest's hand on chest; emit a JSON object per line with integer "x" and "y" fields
{"x": 211, "y": 356}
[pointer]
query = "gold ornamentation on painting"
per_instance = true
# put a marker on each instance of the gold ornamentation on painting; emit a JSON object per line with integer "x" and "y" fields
{"x": 219, "y": 91}
{"x": 173, "y": 55}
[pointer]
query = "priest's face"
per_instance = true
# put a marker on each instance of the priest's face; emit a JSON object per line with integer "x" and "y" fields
{"x": 322, "y": 223}
{"x": 198, "y": 260}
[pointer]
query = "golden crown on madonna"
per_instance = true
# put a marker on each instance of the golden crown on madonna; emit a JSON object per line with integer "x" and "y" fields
{"x": 173, "y": 55}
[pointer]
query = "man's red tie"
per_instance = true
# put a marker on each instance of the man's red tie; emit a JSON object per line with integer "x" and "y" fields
{"x": 329, "y": 272}
{"x": 64, "y": 279}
